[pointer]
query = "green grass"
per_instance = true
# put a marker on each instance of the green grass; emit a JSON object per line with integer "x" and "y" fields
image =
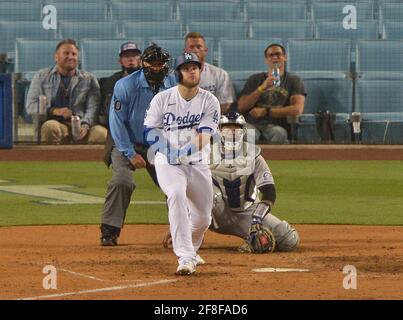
{"x": 331, "y": 192}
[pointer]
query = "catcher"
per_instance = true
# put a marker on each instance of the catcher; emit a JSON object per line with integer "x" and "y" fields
{"x": 239, "y": 174}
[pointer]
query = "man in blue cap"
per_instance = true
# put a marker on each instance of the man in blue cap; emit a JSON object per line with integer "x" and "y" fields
{"x": 130, "y": 61}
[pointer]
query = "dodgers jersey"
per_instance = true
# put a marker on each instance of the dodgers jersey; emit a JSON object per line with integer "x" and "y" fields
{"x": 182, "y": 120}
{"x": 238, "y": 179}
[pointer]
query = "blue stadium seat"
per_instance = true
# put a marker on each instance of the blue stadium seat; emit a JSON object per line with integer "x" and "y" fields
{"x": 208, "y": 11}
{"x": 276, "y": 11}
{"x": 392, "y": 30}
{"x": 148, "y": 29}
{"x": 142, "y": 11}
{"x": 239, "y": 78}
{"x": 391, "y": 12}
{"x": 94, "y": 30}
{"x": 32, "y": 55}
{"x": 299, "y": 29}
{"x": 380, "y": 102}
{"x": 101, "y": 56}
{"x": 11, "y": 30}
{"x": 333, "y": 11}
{"x": 175, "y": 47}
{"x": 220, "y": 29}
{"x": 243, "y": 55}
{"x": 81, "y": 11}
{"x": 335, "y": 95}
{"x": 366, "y": 30}
{"x": 17, "y": 11}
{"x": 327, "y": 58}
{"x": 380, "y": 59}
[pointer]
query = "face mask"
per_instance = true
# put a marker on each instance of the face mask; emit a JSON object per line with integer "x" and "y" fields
{"x": 232, "y": 139}
{"x": 155, "y": 77}
{"x": 130, "y": 70}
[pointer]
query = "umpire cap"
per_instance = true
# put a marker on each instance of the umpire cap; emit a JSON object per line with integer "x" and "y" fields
{"x": 187, "y": 57}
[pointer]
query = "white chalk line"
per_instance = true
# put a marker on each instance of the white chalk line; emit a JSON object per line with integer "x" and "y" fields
{"x": 94, "y": 278}
{"x": 117, "y": 288}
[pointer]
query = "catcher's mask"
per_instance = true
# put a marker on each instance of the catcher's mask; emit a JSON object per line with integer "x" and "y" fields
{"x": 154, "y": 54}
{"x": 232, "y": 128}
{"x": 184, "y": 58}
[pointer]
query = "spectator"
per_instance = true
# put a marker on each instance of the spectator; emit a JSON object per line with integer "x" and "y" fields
{"x": 130, "y": 60}
{"x": 267, "y": 106}
{"x": 213, "y": 79}
{"x": 127, "y": 150}
{"x": 69, "y": 91}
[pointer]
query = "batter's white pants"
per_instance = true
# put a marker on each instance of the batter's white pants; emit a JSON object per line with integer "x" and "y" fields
{"x": 190, "y": 201}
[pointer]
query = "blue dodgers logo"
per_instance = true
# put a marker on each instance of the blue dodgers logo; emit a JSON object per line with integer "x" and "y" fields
{"x": 189, "y": 120}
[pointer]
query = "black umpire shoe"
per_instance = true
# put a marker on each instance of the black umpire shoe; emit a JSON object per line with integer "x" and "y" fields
{"x": 109, "y": 235}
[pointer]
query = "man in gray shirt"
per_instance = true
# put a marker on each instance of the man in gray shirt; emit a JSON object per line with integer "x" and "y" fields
{"x": 68, "y": 92}
{"x": 213, "y": 79}
{"x": 267, "y": 103}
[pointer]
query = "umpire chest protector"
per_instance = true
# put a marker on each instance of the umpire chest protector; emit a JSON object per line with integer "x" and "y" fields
{"x": 234, "y": 177}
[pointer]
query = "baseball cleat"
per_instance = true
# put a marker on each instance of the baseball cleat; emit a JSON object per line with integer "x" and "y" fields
{"x": 200, "y": 261}
{"x": 109, "y": 241}
{"x": 186, "y": 268}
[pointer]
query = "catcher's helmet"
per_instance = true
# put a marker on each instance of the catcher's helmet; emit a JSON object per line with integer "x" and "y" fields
{"x": 152, "y": 54}
{"x": 184, "y": 58}
{"x": 232, "y": 139}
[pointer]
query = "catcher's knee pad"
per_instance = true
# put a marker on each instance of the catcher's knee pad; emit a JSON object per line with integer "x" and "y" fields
{"x": 287, "y": 238}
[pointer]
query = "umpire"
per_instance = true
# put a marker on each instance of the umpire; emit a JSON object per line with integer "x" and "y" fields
{"x": 125, "y": 148}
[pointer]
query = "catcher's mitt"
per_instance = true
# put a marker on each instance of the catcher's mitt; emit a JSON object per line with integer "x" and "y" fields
{"x": 260, "y": 240}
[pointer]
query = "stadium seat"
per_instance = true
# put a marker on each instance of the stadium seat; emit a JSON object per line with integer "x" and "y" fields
{"x": 327, "y": 58}
{"x": 208, "y": 11}
{"x": 239, "y": 79}
{"x": 32, "y": 55}
{"x": 392, "y": 30}
{"x": 220, "y": 29}
{"x": 335, "y": 95}
{"x": 18, "y": 11}
{"x": 81, "y": 11}
{"x": 175, "y": 47}
{"x": 380, "y": 59}
{"x": 243, "y": 55}
{"x": 101, "y": 56}
{"x": 148, "y": 29}
{"x": 333, "y": 11}
{"x": 391, "y": 12}
{"x": 366, "y": 30}
{"x": 94, "y": 30}
{"x": 275, "y": 11}
{"x": 142, "y": 11}
{"x": 300, "y": 29}
{"x": 11, "y": 30}
{"x": 380, "y": 102}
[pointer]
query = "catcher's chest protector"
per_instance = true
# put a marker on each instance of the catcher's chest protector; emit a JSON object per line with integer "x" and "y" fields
{"x": 235, "y": 179}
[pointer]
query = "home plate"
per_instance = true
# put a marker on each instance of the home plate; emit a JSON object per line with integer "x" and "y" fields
{"x": 279, "y": 270}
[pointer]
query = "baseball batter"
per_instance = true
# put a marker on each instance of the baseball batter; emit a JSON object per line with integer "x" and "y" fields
{"x": 179, "y": 124}
{"x": 239, "y": 173}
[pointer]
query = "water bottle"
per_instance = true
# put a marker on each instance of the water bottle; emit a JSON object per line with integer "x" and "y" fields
{"x": 75, "y": 127}
{"x": 276, "y": 74}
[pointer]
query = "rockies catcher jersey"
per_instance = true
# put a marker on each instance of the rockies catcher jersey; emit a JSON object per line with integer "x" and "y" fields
{"x": 182, "y": 120}
{"x": 239, "y": 179}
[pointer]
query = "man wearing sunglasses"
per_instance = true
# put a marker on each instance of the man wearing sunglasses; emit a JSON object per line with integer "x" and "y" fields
{"x": 268, "y": 98}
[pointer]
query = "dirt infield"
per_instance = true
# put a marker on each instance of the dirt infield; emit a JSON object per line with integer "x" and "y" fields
{"x": 139, "y": 268}
{"x": 269, "y": 152}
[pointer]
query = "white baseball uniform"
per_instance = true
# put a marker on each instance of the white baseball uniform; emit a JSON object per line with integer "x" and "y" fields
{"x": 187, "y": 186}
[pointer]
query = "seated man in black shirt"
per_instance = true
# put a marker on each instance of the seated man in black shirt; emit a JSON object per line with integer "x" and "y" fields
{"x": 130, "y": 60}
{"x": 267, "y": 102}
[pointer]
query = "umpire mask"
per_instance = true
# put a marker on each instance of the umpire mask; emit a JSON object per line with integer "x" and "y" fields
{"x": 155, "y": 55}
